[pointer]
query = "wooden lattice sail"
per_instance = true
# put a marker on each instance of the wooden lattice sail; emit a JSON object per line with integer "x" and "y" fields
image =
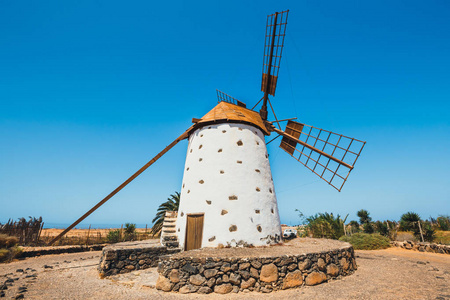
{"x": 329, "y": 155}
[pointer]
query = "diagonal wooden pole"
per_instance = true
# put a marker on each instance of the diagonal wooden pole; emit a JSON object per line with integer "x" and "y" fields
{"x": 154, "y": 159}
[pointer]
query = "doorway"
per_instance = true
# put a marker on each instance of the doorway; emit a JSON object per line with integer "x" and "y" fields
{"x": 194, "y": 231}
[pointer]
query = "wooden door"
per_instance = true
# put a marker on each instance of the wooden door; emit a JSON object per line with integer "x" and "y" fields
{"x": 194, "y": 231}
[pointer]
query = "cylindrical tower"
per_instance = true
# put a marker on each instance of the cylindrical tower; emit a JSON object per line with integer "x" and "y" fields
{"x": 227, "y": 196}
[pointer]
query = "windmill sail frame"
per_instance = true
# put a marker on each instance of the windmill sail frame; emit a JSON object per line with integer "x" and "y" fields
{"x": 273, "y": 50}
{"x": 329, "y": 155}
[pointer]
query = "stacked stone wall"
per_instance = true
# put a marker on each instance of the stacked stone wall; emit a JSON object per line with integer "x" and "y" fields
{"x": 118, "y": 261}
{"x": 422, "y": 247}
{"x": 38, "y": 251}
{"x": 267, "y": 274}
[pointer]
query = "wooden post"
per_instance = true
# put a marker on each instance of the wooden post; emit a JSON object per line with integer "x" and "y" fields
{"x": 121, "y": 233}
{"x": 87, "y": 239}
{"x": 39, "y": 233}
{"x": 420, "y": 229}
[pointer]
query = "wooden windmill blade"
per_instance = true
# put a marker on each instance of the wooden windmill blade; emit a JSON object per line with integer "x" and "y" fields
{"x": 273, "y": 49}
{"x": 125, "y": 183}
{"x": 329, "y": 155}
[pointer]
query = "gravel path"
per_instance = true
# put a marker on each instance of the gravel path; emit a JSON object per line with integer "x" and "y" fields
{"x": 384, "y": 274}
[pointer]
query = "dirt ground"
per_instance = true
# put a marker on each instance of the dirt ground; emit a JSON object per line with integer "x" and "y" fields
{"x": 292, "y": 247}
{"x": 383, "y": 274}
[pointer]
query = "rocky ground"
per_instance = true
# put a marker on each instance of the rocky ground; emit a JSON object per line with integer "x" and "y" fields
{"x": 384, "y": 274}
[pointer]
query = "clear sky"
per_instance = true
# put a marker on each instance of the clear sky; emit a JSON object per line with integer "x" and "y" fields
{"x": 92, "y": 90}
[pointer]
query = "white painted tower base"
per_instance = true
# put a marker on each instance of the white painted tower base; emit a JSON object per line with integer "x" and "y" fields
{"x": 227, "y": 178}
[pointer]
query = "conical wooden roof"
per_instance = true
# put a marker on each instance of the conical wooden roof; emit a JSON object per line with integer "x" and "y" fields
{"x": 225, "y": 112}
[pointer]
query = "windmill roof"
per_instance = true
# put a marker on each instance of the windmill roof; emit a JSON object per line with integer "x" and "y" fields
{"x": 228, "y": 112}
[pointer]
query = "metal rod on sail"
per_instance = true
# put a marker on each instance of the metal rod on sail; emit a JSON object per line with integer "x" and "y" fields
{"x": 181, "y": 137}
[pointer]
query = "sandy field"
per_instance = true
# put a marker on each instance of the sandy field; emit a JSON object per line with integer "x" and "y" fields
{"x": 382, "y": 274}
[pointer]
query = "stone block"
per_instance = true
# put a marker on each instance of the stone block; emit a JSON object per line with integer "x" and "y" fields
{"x": 223, "y": 288}
{"x": 197, "y": 279}
{"x": 315, "y": 277}
{"x": 163, "y": 284}
{"x": 269, "y": 273}
{"x": 332, "y": 270}
{"x": 293, "y": 279}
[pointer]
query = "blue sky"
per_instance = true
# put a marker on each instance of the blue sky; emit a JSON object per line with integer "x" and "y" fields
{"x": 92, "y": 90}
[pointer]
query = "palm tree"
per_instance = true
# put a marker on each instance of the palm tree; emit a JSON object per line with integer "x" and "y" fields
{"x": 408, "y": 221}
{"x": 172, "y": 204}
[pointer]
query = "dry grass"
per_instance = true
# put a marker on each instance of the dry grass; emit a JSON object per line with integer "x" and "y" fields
{"x": 405, "y": 236}
{"x": 86, "y": 236}
{"x": 442, "y": 237}
{"x": 7, "y": 241}
{"x": 8, "y": 248}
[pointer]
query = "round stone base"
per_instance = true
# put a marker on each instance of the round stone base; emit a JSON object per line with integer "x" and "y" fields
{"x": 302, "y": 261}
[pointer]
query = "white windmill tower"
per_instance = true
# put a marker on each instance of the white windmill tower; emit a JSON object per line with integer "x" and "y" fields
{"x": 227, "y": 194}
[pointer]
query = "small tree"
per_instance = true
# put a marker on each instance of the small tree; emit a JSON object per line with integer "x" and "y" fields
{"x": 130, "y": 231}
{"x": 409, "y": 221}
{"x": 113, "y": 236}
{"x": 382, "y": 228}
{"x": 363, "y": 216}
{"x": 365, "y": 220}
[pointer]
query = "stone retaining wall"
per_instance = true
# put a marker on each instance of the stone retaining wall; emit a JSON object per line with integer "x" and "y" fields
{"x": 266, "y": 274}
{"x": 38, "y": 251}
{"x": 422, "y": 247}
{"x": 117, "y": 260}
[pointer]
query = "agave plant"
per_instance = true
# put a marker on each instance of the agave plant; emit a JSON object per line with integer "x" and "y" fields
{"x": 172, "y": 204}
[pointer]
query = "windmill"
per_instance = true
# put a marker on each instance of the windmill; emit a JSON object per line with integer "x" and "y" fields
{"x": 228, "y": 196}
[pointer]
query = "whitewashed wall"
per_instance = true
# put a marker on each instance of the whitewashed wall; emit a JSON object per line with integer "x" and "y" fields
{"x": 227, "y": 177}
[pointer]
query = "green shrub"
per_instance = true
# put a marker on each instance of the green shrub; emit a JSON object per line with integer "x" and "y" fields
{"x": 4, "y": 254}
{"x": 7, "y": 255}
{"x": 16, "y": 251}
{"x": 428, "y": 232}
{"x": 354, "y": 226}
{"x": 443, "y": 223}
{"x": 325, "y": 225}
{"x": 364, "y": 241}
{"x": 130, "y": 231}
{"x": 7, "y": 241}
{"x": 368, "y": 228}
{"x": 113, "y": 236}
